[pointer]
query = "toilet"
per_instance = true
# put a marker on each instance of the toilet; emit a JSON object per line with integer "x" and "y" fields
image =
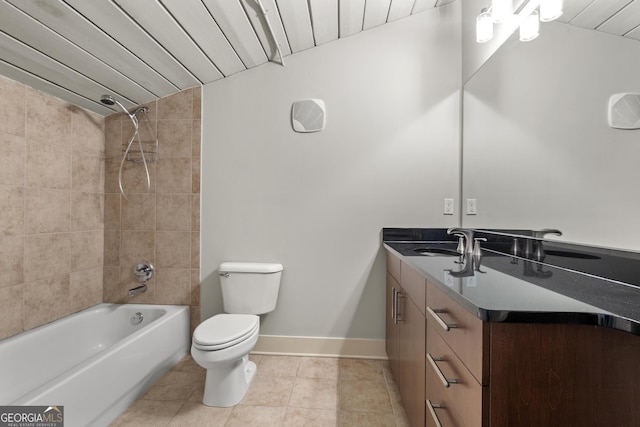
{"x": 221, "y": 344}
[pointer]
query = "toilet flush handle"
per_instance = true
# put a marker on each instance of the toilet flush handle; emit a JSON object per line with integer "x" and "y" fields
{"x": 224, "y": 274}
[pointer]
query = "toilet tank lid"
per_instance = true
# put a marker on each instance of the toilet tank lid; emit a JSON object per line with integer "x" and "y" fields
{"x": 249, "y": 267}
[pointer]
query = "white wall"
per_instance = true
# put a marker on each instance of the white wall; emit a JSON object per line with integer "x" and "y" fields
{"x": 317, "y": 202}
{"x": 538, "y": 151}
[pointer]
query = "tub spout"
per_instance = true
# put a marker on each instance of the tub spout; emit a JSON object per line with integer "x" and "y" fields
{"x": 137, "y": 290}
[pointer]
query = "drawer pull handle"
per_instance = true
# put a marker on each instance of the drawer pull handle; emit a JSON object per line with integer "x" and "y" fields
{"x": 434, "y": 313}
{"x": 398, "y": 318}
{"x": 432, "y": 407}
{"x": 432, "y": 361}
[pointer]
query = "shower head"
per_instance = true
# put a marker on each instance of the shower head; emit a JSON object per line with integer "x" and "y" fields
{"x": 107, "y": 100}
{"x": 110, "y": 101}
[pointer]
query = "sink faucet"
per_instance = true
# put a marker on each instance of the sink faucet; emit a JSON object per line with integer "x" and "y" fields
{"x": 539, "y": 234}
{"x": 468, "y": 237}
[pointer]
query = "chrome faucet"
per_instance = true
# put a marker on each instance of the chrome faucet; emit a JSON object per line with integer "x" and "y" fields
{"x": 539, "y": 235}
{"x": 468, "y": 237}
{"x": 137, "y": 290}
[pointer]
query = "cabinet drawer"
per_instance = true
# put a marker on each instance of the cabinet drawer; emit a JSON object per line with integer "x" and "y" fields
{"x": 415, "y": 285}
{"x": 393, "y": 265}
{"x": 439, "y": 410}
{"x": 467, "y": 335}
{"x": 445, "y": 373}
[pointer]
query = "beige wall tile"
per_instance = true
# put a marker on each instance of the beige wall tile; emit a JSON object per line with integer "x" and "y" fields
{"x": 195, "y": 212}
{"x": 197, "y": 102}
{"x": 173, "y": 286}
{"x": 195, "y": 175}
{"x": 195, "y": 249}
{"x": 112, "y": 211}
{"x": 87, "y": 172}
{"x": 112, "y": 134}
{"x": 85, "y": 289}
{"x": 138, "y": 212}
{"x": 112, "y": 290}
{"x": 174, "y": 176}
{"x": 112, "y": 248}
{"x": 137, "y": 246}
{"x": 45, "y": 300}
{"x": 176, "y": 106}
{"x": 46, "y": 211}
{"x": 48, "y": 166}
{"x": 46, "y": 255}
{"x": 174, "y": 212}
{"x": 11, "y": 261}
{"x": 12, "y": 107}
{"x": 88, "y": 131}
{"x": 173, "y": 249}
{"x": 48, "y": 119}
{"x": 87, "y": 250}
{"x": 134, "y": 177}
{"x": 12, "y": 159}
{"x": 11, "y": 210}
{"x": 195, "y": 287}
{"x": 196, "y": 138}
{"x": 11, "y": 310}
{"x": 87, "y": 211}
{"x": 174, "y": 138}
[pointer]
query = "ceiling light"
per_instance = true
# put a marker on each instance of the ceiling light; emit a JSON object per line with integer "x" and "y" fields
{"x": 501, "y": 10}
{"x": 484, "y": 27}
{"x": 550, "y": 10}
{"x": 530, "y": 27}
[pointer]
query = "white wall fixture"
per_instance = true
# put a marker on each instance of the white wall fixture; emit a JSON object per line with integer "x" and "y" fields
{"x": 527, "y": 17}
{"x": 308, "y": 115}
{"x": 624, "y": 111}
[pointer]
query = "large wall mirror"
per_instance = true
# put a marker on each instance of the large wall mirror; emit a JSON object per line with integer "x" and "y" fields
{"x": 538, "y": 151}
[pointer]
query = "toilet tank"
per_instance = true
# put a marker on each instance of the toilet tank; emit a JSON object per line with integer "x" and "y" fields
{"x": 249, "y": 287}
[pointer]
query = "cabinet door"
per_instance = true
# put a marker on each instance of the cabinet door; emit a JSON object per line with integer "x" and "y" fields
{"x": 412, "y": 368}
{"x": 392, "y": 326}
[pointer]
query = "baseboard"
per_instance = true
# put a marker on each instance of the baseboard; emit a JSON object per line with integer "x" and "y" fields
{"x": 321, "y": 347}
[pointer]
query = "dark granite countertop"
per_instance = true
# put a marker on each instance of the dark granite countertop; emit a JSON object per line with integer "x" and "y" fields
{"x": 515, "y": 289}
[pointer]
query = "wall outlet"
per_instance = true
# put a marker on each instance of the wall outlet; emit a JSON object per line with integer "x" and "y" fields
{"x": 472, "y": 208}
{"x": 448, "y": 206}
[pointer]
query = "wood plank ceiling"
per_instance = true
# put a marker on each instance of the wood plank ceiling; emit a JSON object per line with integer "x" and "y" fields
{"x": 140, "y": 50}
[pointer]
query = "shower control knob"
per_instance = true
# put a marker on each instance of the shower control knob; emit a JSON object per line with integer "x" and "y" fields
{"x": 143, "y": 271}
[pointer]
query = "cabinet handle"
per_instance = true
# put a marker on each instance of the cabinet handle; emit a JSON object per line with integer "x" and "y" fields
{"x": 434, "y": 313}
{"x": 393, "y": 304}
{"x": 398, "y": 317}
{"x": 432, "y": 407}
{"x": 432, "y": 361}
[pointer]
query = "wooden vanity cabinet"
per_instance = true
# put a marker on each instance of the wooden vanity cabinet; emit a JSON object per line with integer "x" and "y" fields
{"x": 503, "y": 374}
{"x": 406, "y": 335}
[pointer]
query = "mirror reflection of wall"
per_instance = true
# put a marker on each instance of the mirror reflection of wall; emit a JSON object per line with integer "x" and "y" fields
{"x": 538, "y": 150}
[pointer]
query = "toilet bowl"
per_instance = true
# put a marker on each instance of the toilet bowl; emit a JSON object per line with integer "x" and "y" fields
{"x": 221, "y": 344}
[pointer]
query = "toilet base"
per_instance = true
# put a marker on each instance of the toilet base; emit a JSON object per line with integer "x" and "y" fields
{"x": 227, "y": 383}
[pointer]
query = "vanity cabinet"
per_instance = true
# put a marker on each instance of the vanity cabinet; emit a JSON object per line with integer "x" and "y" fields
{"x": 454, "y": 370}
{"x": 406, "y": 335}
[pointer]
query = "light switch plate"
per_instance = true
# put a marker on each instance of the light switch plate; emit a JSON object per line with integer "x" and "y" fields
{"x": 472, "y": 207}
{"x": 448, "y": 206}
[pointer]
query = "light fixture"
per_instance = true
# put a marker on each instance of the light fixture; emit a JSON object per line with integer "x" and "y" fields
{"x": 530, "y": 27}
{"x": 501, "y": 10}
{"x": 527, "y": 17}
{"x": 484, "y": 26}
{"x": 550, "y": 10}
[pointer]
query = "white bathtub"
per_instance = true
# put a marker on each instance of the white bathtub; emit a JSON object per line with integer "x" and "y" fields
{"x": 95, "y": 362}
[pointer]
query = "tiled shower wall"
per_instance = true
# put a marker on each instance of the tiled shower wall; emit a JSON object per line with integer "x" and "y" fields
{"x": 161, "y": 227}
{"x": 51, "y": 208}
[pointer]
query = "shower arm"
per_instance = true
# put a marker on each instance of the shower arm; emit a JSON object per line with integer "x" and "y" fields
{"x": 273, "y": 35}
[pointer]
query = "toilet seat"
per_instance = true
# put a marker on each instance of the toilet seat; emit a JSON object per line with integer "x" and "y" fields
{"x": 225, "y": 330}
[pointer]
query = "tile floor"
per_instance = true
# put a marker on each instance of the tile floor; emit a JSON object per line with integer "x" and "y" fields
{"x": 287, "y": 391}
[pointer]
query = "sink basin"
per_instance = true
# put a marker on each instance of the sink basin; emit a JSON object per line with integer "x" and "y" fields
{"x": 436, "y": 252}
{"x": 567, "y": 254}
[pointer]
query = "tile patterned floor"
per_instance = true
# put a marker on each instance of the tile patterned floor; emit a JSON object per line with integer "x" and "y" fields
{"x": 287, "y": 391}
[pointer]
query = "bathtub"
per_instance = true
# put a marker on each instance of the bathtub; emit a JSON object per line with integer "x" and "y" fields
{"x": 95, "y": 362}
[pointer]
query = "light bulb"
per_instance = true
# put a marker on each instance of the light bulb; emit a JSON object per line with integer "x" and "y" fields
{"x": 484, "y": 27}
{"x": 550, "y": 10}
{"x": 530, "y": 27}
{"x": 501, "y": 10}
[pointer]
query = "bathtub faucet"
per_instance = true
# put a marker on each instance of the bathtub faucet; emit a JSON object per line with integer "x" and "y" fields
{"x": 137, "y": 290}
